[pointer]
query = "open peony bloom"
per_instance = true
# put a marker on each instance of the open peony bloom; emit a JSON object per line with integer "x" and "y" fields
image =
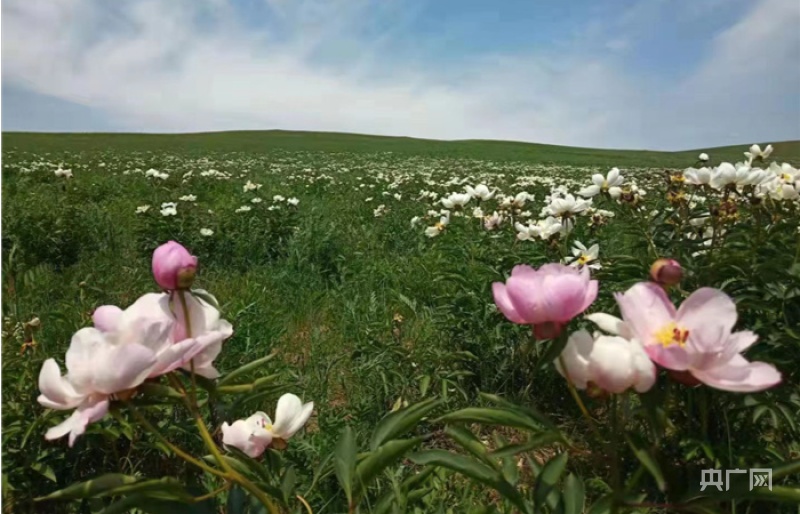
{"x": 481, "y": 192}
{"x": 178, "y": 348}
{"x": 101, "y": 364}
{"x": 254, "y": 434}
{"x": 173, "y": 266}
{"x": 696, "y": 338}
{"x": 122, "y": 350}
{"x": 547, "y": 298}
{"x": 612, "y": 363}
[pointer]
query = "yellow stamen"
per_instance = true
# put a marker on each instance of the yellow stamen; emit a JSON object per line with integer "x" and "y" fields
{"x": 671, "y": 334}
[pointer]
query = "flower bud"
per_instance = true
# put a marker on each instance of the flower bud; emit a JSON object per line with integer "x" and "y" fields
{"x": 667, "y": 272}
{"x": 173, "y": 266}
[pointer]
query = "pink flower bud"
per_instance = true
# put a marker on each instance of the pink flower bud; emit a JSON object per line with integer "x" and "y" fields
{"x": 173, "y": 266}
{"x": 667, "y": 272}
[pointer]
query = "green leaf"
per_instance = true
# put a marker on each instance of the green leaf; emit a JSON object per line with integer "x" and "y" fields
{"x": 472, "y": 469}
{"x": 534, "y": 442}
{"x": 525, "y": 410}
{"x": 492, "y": 416}
{"x": 91, "y": 487}
{"x": 602, "y": 505}
{"x": 247, "y": 368}
{"x": 398, "y": 423}
{"x": 785, "y": 469}
{"x": 44, "y": 470}
{"x": 374, "y": 463}
{"x": 344, "y": 462}
{"x": 288, "y": 483}
{"x": 548, "y": 479}
{"x": 237, "y": 501}
{"x": 117, "y": 484}
{"x": 470, "y": 443}
{"x": 648, "y": 461}
{"x": 206, "y": 297}
{"x": 573, "y": 494}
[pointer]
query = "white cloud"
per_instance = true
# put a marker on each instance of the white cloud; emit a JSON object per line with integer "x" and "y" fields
{"x": 161, "y": 65}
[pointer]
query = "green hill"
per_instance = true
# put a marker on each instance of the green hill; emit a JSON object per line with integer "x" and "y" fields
{"x": 261, "y": 141}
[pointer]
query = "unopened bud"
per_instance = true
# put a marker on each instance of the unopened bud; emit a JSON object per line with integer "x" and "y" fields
{"x": 667, "y": 272}
{"x": 173, "y": 266}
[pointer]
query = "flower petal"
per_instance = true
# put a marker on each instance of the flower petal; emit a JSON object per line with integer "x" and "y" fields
{"x": 290, "y": 415}
{"x": 739, "y": 375}
{"x": 709, "y": 315}
{"x": 57, "y": 391}
{"x": 106, "y": 318}
{"x": 504, "y": 303}
{"x": 123, "y": 367}
{"x": 645, "y": 308}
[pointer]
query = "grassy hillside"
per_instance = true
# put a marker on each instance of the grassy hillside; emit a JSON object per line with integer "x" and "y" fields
{"x": 260, "y": 141}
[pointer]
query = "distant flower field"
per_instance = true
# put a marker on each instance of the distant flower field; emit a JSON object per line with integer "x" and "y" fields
{"x": 428, "y": 333}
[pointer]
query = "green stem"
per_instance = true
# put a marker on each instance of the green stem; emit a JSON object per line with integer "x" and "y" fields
{"x": 615, "y": 465}
{"x": 177, "y": 451}
{"x": 191, "y": 404}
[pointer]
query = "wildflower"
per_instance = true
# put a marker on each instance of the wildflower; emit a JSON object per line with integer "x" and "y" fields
{"x": 493, "y": 221}
{"x": 254, "y": 434}
{"x": 610, "y": 183}
{"x": 567, "y": 206}
{"x": 415, "y": 220}
{"x": 206, "y": 232}
{"x": 697, "y": 177}
{"x": 703, "y": 157}
{"x": 437, "y": 229}
{"x": 696, "y": 338}
{"x": 169, "y": 209}
{"x": 173, "y": 266}
{"x": 757, "y": 153}
{"x": 124, "y": 348}
{"x": 477, "y": 212}
{"x": 278, "y": 198}
{"x": 142, "y": 209}
{"x": 294, "y": 201}
{"x": 546, "y": 298}
{"x": 582, "y": 256}
{"x": 63, "y": 173}
{"x": 243, "y": 208}
{"x": 481, "y": 192}
{"x": 456, "y": 200}
{"x": 250, "y": 186}
{"x": 188, "y": 198}
{"x": 611, "y": 363}
{"x": 379, "y": 211}
{"x": 256, "y": 200}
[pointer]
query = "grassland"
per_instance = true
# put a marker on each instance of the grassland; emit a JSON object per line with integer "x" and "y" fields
{"x": 365, "y": 312}
{"x": 264, "y": 141}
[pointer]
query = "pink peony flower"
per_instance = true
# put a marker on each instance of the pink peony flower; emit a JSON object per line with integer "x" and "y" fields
{"x": 547, "y": 298}
{"x": 697, "y": 337}
{"x": 173, "y": 266}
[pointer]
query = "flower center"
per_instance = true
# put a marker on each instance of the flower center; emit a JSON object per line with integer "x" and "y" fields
{"x": 583, "y": 259}
{"x": 671, "y": 334}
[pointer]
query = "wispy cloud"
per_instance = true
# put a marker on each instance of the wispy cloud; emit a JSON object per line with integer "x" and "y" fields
{"x": 193, "y": 65}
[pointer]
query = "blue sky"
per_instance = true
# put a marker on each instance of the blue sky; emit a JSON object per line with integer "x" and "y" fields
{"x": 658, "y": 74}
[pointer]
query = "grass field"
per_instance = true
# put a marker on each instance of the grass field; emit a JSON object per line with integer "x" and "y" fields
{"x": 330, "y": 250}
